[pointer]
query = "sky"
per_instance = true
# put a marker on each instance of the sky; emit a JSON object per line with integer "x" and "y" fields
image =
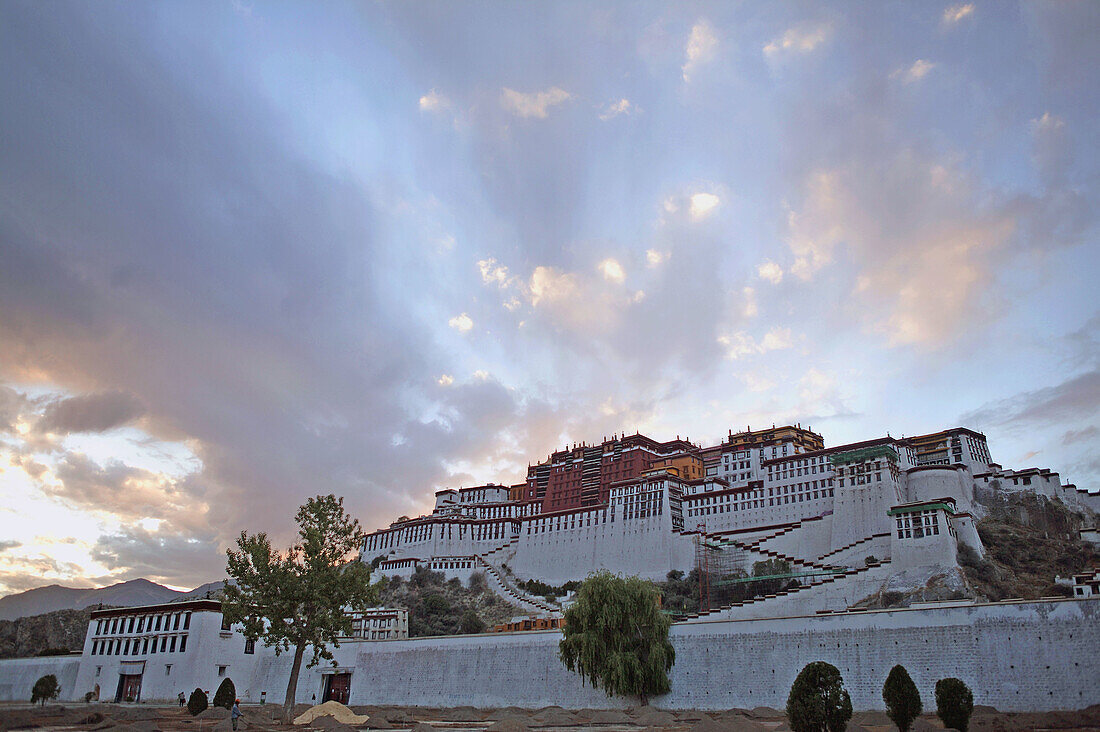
{"x": 252, "y": 253}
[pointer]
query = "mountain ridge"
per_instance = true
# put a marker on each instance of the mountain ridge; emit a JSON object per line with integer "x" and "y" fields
{"x": 50, "y": 598}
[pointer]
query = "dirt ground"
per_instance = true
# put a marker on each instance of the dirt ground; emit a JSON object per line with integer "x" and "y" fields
{"x": 148, "y": 718}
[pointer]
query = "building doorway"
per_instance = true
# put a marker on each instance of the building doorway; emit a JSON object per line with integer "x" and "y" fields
{"x": 129, "y": 688}
{"x": 337, "y": 688}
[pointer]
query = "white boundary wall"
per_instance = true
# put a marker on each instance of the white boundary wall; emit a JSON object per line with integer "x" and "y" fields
{"x": 1024, "y": 656}
{"x": 1019, "y": 656}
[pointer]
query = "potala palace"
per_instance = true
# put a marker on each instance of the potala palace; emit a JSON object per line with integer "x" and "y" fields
{"x": 890, "y": 513}
{"x": 634, "y": 505}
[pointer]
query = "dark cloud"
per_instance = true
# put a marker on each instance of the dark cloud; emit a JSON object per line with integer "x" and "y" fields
{"x": 1086, "y": 434}
{"x": 8, "y": 544}
{"x": 90, "y": 413}
{"x": 1076, "y": 398}
{"x": 179, "y": 559}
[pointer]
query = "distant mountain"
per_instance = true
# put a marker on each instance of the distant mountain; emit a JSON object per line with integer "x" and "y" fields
{"x": 125, "y": 594}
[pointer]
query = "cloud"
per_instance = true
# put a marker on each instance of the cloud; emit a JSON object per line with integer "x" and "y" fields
{"x": 955, "y": 13}
{"x": 740, "y": 344}
{"x": 655, "y": 258}
{"x": 917, "y": 71}
{"x": 703, "y": 205}
{"x": 611, "y": 270}
{"x": 549, "y": 285}
{"x": 921, "y": 238}
{"x": 1088, "y": 434}
{"x": 701, "y": 48}
{"x": 614, "y": 109}
{"x": 802, "y": 38}
{"x": 770, "y": 271}
{"x": 90, "y": 413}
{"x": 462, "y": 323}
{"x": 493, "y": 273}
{"x": 445, "y": 380}
{"x": 1073, "y": 399}
{"x": 6, "y": 544}
{"x": 536, "y": 104}
{"x": 433, "y": 101}
{"x": 180, "y": 559}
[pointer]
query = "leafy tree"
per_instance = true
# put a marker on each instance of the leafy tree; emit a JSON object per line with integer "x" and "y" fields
{"x": 297, "y": 599}
{"x": 45, "y": 688}
{"x": 818, "y": 701}
{"x": 471, "y": 623}
{"x": 196, "y": 703}
{"x": 901, "y": 697}
{"x": 616, "y": 637}
{"x": 478, "y": 582}
{"x": 226, "y": 694}
{"x": 954, "y": 703}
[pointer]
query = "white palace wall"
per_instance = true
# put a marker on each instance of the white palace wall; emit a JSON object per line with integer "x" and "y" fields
{"x": 1022, "y": 656}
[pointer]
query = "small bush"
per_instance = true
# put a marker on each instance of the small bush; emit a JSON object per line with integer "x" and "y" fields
{"x": 891, "y": 598}
{"x": 226, "y": 694}
{"x": 45, "y": 688}
{"x": 818, "y": 700}
{"x": 870, "y": 559}
{"x": 901, "y": 698}
{"x": 196, "y": 703}
{"x": 954, "y": 703}
{"x": 477, "y": 582}
{"x": 471, "y": 623}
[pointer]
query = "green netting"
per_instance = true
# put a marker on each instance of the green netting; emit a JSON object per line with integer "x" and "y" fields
{"x": 864, "y": 454}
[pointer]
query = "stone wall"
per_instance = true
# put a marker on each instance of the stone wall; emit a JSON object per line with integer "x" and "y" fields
{"x": 1032, "y": 656}
{"x": 1016, "y": 656}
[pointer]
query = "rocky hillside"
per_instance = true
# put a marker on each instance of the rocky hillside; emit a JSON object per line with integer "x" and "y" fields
{"x": 31, "y": 636}
{"x": 438, "y": 606}
{"x": 1029, "y": 540}
{"x": 124, "y": 594}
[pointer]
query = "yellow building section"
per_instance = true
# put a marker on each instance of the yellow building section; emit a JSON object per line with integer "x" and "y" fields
{"x": 804, "y": 438}
{"x": 684, "y": 466}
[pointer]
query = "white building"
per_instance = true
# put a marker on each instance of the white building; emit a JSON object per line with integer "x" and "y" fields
{"x": 380, "y": 623}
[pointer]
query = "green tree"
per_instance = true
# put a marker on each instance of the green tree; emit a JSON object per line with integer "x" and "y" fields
{"x": 471, "y": 623}
{"x": 45, "y": 688}
{"x": 196, "y": 703}
{"x": 616, "y": 637}
{"x": 901, "y": 697}
{"x": 226, "y": 694}
{"x": 954, "y": 703}
{"x": 298, "y": 598}
{"x": 818, "y": 701}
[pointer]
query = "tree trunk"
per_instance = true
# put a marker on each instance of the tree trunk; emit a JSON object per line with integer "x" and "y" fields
{"x": 292, "y": 685}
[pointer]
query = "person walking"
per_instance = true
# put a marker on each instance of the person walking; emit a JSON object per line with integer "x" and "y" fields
{"x": 182, "y": 699}
{"x": 236, "y": 712}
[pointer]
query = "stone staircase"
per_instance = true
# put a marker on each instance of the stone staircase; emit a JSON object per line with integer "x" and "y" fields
{"x": 852, "y": 545}
{"x": 755, "y": 547}
{"x": 839, "y": 576}
{"x": 503, "y": 587}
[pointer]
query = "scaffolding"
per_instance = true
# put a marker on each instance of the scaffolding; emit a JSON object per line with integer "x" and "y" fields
{"x": 727, "y": 575}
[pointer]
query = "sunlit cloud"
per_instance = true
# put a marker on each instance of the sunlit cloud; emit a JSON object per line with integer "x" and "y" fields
{"x": 433, "y": 101}
{"x": 915, "y": 72}
{"x": 614, "y": 109}
{"x": 445, "y": 380}
{"x": 955, "y": 13}
{"x": 740, "y": 344}
{"x": 655, "y": 258}
{"x": 462, "y": 323}
{"x": 770, "y": 271}
{"x": 701, "y": 47}
{"x": 799, "y": 39}
{"x": 703, "y": 205}
{"x": 493, "y": 273}
{"x": 549, "y": 284}
{"x": 535, "y": 104}
{"x": 611, "y": 270}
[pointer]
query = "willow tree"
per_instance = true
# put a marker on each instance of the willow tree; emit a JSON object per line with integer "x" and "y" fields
{"x": 616, "y": 637}
{"x": 299, "y": 598}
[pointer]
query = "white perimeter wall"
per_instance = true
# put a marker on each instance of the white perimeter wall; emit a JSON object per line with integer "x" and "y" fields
{"x": 17, "y": 676}
{"x": 1015, "y": 656}
{"x": 1033, "y": 656}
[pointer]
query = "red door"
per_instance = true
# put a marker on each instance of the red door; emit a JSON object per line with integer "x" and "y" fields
{"x": 339, "y": 688}
{"x": 129, "y": 688}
